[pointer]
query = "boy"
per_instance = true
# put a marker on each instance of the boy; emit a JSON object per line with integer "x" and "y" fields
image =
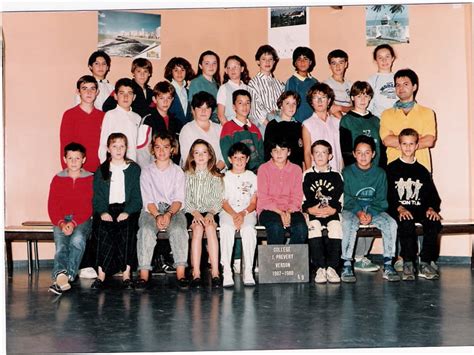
{"x": 121, "y": 120}
{"x": 162, "y": 185}
{"x": 240, "y": 129}
{"x": 141, "y": 71}
{"x": 412, "y": 197}
{"x": 70, "y": 209}
{"x": 365, "y": 202}
{"x": 338, "y": 61}
{"x": 82, "y": 123}
{"x": 99, "y": 65}
{"x": 280, "y": 196}
{"x": 322, "y": 201}
{"x": 264, "y": 87}
{"x": 238, "y": 213}
{"x": 301, "y": 81}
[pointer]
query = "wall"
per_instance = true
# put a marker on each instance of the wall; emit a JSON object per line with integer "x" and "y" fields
{"x": 46, "y": 52}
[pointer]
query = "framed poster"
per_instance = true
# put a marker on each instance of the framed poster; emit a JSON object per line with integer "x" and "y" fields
{"x": 386, "y": 24}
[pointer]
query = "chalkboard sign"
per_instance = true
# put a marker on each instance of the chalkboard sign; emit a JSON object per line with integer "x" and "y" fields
{"x": 283, "y": 263}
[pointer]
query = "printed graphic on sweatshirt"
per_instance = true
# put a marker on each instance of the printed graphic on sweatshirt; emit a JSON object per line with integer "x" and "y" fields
{"x": 388, "y": 91}
{"x": 318, "y": 187}
{"x": 409, "y": 191}
{"x": 365, "y": 196}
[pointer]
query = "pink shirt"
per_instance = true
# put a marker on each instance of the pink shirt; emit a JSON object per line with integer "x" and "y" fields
{"x": 279, "y": 188}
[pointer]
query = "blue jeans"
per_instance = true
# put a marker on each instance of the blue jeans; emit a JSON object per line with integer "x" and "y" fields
{"x": 69, "y": 249}
{"x": 276, "y": 232}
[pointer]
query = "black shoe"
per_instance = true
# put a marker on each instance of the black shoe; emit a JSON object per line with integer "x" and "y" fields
{"x": 97, "y": 284}
{"x": 196, "y": 283}
{"x": 141, "y": 284}
{"x": 127, "y": 284}
{"x": 216, "y": 282}
{"x": 55, "y": 289}
{"x": 168, "y": 268}
{"x": 183, "y": 283}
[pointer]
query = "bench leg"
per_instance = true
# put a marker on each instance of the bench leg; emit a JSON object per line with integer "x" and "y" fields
{"x": 8, "y": 247}
{"x": 30, "y": 261}
{"x": 37, "y": 266}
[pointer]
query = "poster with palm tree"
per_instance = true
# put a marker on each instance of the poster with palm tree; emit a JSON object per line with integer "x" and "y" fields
{"x": 386, "y": 24}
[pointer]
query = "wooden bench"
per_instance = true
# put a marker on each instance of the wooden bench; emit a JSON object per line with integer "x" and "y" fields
{"x": 32, "y": 232}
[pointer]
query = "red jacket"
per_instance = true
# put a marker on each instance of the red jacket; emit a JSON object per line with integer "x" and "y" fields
{"x": 70, "y": 197}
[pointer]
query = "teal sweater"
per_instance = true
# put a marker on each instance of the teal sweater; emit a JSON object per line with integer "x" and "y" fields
{"x": 133, "y": 197}
{"x": 200, "y": 83}
{"x": 365, "y": 190}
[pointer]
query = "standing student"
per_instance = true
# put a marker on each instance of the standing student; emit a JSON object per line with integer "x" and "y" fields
{"x": 382, "y": 82}
{"x": 117, "y": 203}
{"x": 338, "y": 62}
{"x": 323, "y": 191}
{"x": 301, "y": 81}
{"x": 264, "y": 88}
{"x": 99, "y": 65}
{"x": 413, "y": 198}
{"x": 203, "y": 202}
{"x": 365, "y": 202}
{"x": 236, "y": 76}
{"x": 207, "y": 79}
{"x": 179, "y": 73}
{"x": 238, "y": 213}
{"x": 70, "y": 210}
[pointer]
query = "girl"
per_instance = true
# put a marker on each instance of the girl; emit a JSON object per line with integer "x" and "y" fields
{"x": 236, "y": 77}
{"x": 117, "y": 203}
{"x": 179, "y": 72}
{"x": 207, "y": 79}
{"x": 322, "y": 125}
{"x": 382, "y": 81}
{"x": 204, "y": 195}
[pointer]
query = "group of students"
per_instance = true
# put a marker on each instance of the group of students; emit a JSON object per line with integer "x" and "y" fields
{"x": 190, "y": 154}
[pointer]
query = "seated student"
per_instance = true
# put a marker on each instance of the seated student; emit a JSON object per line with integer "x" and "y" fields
{"x": 179, "y": 73}
{"x": 283, "y": 124}
{"x": 162, "y": 185}
{"x": 322, "y": 201}
{"x": 99, "y": 65}
{"x": 365, "y": 202}
{"x": 413, "y": 198}
{"x": 70, "y": 210}
{"x": 203, "y": 202}
{"x": 117, "y": 203}
{"x": 201, "y": 127}
{"x": 361, "y": 121}
{"x": 338, "y": 61}
{"x": 301, "y": 81}
{"x": 238, "y": 213}
{"x": 141, "y": 71}
{"x": 280, "y": 196}
{"x": 240, "y": 129}
{"x": 121, "y": 120}
{"x": 321, "y": 125}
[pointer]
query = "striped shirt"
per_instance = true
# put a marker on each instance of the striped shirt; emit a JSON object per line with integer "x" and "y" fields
{"x": 265, "y": 91}
{"x": 204, "y": 192}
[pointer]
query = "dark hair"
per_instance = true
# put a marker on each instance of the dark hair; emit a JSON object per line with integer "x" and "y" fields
{"x": 75, "y": 147}
{"x": 105, "y": 166}
{"x": 86, "y": 79}
{"x": 179, "y": 62}
{"x": 384, "y": 46}
{"x": 163, "y": 135}
{"x": 267, "y": 49}
{"x": 322, "y": 142}
{"x": 93, "y": 57}
{"x": 201, "y": 98}
{"x": 337, "y": 53}
{"x": 363, "y": 139}
{"x": 409, "y": 132}
{"x": 240, "y": 92}
{"x": 239, "y": 147}
{"x": 190, "y": 164}
{"x": 244, "y": 76}
{"x": 362, "y": 87}
{"x": 123, "y": 82}
{"x": 280, "y": 142}
{"x": 142, "y": 63}
{"x": 286, "y": 94}
{"x": 325, "y": 89}
{"x": 305, "y": 52}
{"x": 410, "y": 74}
{"x": 163, "y": 87}
{"x": 216, "y": 75}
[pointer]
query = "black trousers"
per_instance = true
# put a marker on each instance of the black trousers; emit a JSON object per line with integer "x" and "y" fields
{"x": 409, "y": 240}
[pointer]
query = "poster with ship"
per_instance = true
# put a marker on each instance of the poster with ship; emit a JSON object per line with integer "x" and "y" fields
{"x": 386, "y": 24}
{"x": 129, "y": 34}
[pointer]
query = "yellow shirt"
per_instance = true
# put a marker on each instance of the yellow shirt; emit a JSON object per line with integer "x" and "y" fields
{"x": 420, "y": 118}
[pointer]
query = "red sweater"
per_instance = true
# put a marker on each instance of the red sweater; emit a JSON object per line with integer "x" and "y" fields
{"x": 84, "y": 128}
{"x": 70, "y": 197}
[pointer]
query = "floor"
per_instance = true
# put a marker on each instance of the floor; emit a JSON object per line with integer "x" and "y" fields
{"x": 370, "y": 313}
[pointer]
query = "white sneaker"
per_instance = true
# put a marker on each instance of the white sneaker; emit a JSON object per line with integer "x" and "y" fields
{"x": 398, "y": 264}
{"x": 228, "y": 280}
{"x": 321, "y": 277}
{"x": 236, "y": 267}
{"x": 332, "y": 276}
{"x": 248, "y": 279}
{"x": 87, "y": 273}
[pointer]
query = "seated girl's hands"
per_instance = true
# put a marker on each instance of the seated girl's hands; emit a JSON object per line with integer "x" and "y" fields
{"x": 364, "y": 218}
{"x": 285, "y": 218}
{"x": 198, "y": 218}
{"x": 209, "y": 219}
{"x": 238, "y": 219}
{"x": 67, "y": 228}
{"x": 106, "y": 217}
{"x": 122, "y": 217}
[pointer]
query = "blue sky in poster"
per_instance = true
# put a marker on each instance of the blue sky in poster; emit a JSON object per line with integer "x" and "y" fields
{"x": 116, "y": 21}
{"x": 373, "y": 18}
